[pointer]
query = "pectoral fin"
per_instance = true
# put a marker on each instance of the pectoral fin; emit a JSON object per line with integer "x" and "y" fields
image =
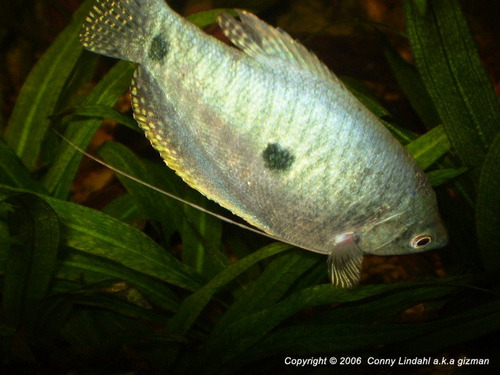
{"x": 344, "y": 262}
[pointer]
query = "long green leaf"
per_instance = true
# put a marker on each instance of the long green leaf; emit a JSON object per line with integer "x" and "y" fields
{"x": 108, "y": 301}
{"x": 366, "y": 97}
{"x": 464, "y": 326}
{"x": 13, "y": 172}
{"x": 334, "y": 337}
{"x": 30, "y": 121}
{"x": 442, "y": 176}
{"x": 82, "y": 267}
{"x": 208, "y": 17}
{"x": 95, "y": 328}
{"x": 201, "y": 237}
{"x": 32, "y": 259}
{"x": 153, "y": 205}
{"x": 411, "y": 84}
{"x": 430, "y": 147}
{"x": 101, "y": 112}
{"x": 193, "y": 305}
{"x": 246, "y": 332}
{"x": 386, "y": 307}
{"x": 201, "y": 234}
{"x": 53, "y": 315}
{"x": 123, "y": 208}
{"x": 488, "y": 208}
{"x": 270, "y": 286}
{"x": 62, "y": 173}
{"x": 452, "y": 72}
{"x": 410, "y": 339}
{"x": 97, "y": 234}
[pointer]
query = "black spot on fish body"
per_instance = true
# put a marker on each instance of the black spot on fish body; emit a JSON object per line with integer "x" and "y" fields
{"x": 277, "y": 158}
{"x": 158, "y": 48}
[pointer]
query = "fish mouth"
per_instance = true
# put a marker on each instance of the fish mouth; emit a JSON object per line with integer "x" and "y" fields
{"x": 442, "y": 237}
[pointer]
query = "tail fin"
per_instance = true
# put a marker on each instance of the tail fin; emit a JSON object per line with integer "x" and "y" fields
{"x": 122, "y": 28}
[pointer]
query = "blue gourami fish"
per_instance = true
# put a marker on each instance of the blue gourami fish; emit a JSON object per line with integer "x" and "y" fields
{"x": 270, "y": 133}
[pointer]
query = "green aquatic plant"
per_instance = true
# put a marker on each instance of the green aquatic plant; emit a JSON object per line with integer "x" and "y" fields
{"x": 89, "y": 289}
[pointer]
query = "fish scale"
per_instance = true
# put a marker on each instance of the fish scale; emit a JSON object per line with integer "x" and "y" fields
{"x": 269, "y": 132}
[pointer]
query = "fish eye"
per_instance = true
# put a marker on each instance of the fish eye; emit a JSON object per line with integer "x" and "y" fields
{"x": 420, "y": 241}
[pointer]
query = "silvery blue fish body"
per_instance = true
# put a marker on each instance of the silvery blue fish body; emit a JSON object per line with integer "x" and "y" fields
{"x": 267, "y": 131}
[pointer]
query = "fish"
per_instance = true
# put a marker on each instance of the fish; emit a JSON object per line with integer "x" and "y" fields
{"x": 268, "y": 131}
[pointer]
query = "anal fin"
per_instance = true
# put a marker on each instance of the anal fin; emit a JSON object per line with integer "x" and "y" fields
{"x": 157, "y": 118}
{"x": 172, "y": 134}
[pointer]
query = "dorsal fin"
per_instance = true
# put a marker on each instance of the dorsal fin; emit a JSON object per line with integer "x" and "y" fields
{"x": 265, "y": 42}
